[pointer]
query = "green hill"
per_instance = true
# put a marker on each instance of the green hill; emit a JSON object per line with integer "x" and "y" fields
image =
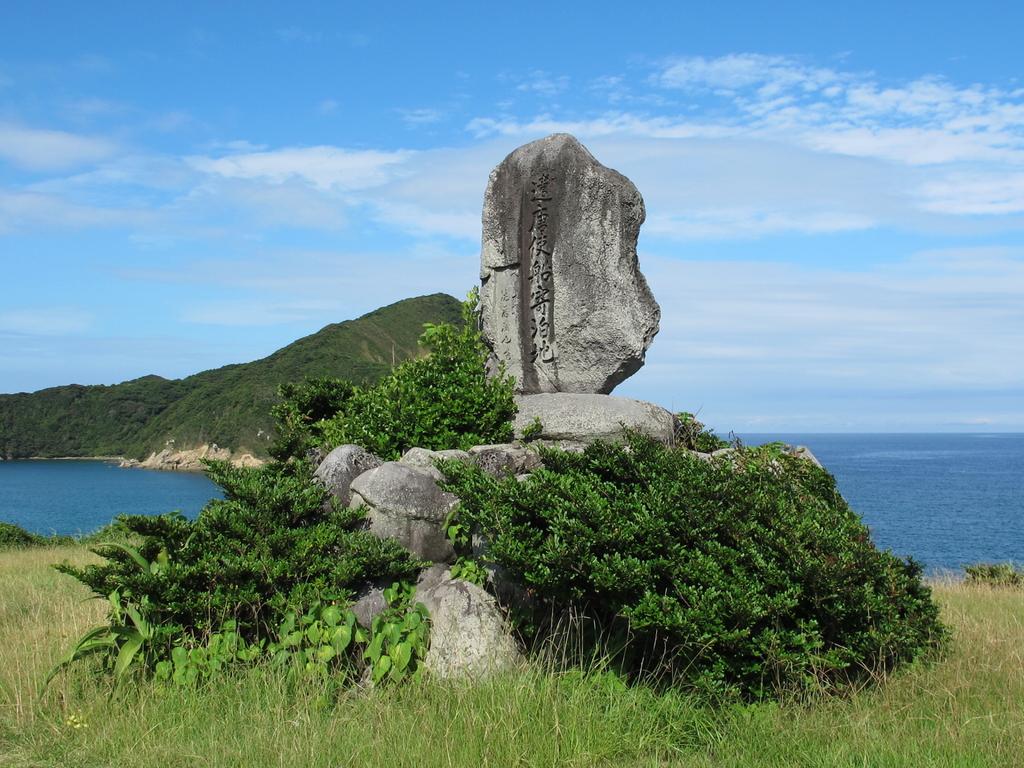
{"x": 228, "y": 406}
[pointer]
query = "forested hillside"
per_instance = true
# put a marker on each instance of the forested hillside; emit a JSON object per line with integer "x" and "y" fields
{"x": 228, "y": 406}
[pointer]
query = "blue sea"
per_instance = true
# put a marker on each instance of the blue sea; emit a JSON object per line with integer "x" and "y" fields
{"x": 946, "y": 500}
{"x": 76, "y": 497}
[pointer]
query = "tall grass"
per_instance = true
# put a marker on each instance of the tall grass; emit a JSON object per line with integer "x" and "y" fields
{"x": 967, "y": 709}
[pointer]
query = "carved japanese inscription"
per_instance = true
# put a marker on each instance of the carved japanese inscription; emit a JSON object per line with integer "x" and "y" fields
{"x": 539, "y": 276}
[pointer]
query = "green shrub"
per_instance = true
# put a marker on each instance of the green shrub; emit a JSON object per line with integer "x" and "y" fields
{"x": 693, "y": 435}
{"x": 271, "y": 545}
{"x": 114, "y": 531}
{"x": 745, "y": 574}
{"x": 16, "y": 537}
{"x": 996, "y": 574}
{"x": 304, "y": 408}
{"x": 445, "y": 400}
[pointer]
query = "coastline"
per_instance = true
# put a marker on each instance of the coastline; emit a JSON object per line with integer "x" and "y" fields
{"x": 168, "y": 460}
{"x": 190, "y": 459}
{"x": 69, "y": 458}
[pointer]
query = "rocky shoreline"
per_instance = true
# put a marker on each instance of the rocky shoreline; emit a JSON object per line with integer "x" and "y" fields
{"x": 167, "y": 460}
{"x": 190, "y": 459}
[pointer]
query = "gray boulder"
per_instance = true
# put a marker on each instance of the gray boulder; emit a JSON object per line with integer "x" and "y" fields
{"x": 468, "y": 636}
{"x": 803, "y": 452}
{"x": 504, "y": 459}
{"x": 424, "y": 459}
{"x": 563, "y": 303}
{"x": 343, "y": 465}
{"x": 406, "y": 505}
{"x": 585, "y": 418}
{"x": 369, "y": 604}
{"x": 431, "y": 577}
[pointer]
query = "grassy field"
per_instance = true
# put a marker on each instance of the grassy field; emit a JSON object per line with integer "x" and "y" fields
{"x": 965, "y": 710}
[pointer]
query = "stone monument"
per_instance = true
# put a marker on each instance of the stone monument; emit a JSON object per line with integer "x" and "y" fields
{"x": 563, "y": 303}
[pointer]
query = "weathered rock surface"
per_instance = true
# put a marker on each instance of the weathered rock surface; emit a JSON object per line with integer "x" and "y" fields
{"x": 343, "y": 465}
{"x": 468, "y": 636}
{"x": 564, "y": 304}
{"x": 505, "y": 459}
{"x": 407, "y": 505}
{"x": 431, "y": 577}
{"x": 368, "y": 605}
{"x": 424, "y": 459}
{"x": 586, "y": 418}
{"x": 803, "y": 452}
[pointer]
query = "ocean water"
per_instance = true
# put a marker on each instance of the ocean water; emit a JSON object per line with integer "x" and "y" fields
{"x": 946, "y": 500}
{"x": 75, "y": 497}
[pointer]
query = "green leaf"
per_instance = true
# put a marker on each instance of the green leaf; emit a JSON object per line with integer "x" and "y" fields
{"x": 331, "y": 615}
{"x": 96, "y": 639}
{"x": 402, "y": 655}
{"x": 381, "y": 667}
{"x": 325, "y": 653}
{"x": 342, "y": 638}
{"x": 139, "y": 560}
{"x": 288, "y": 625}
{"x": 141, "y": 625}
{"x": 164, "y": 670}
{"x": 373, "y": 650}
{"x": 125, "y": 656}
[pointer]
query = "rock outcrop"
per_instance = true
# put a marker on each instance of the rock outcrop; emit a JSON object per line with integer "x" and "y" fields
{"x": 424, "y": 459}
{"x": 467, "y": 631}
{"x": 343, "y": 465}
{"x": 406, "y": 504}
{"x": 191, "y": 459}
{"x": 505, "y": 459}
{"x": 564, "y": 306}
{"x": 586, "y": 418}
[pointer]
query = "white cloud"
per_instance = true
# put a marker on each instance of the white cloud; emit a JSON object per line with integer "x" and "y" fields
{"x": 38, "y": 149}
{"x": 171, "y": 121}
{"x": 770, "y": 74}
{"x": 609, "y": 124}
{"x": 24, "y": 211}
{"x": 325, "y": 167}
{"x": 543, "y": 83}
{"x": 415, "y": 117}
{"x": 966, "y": 193}
{"x": 729, "y": 224}
{"x": 794, "y": 341}
{"x": 924, "y": 121}
{"x": 779, "y": 146}
{"x": 45, "y": 321}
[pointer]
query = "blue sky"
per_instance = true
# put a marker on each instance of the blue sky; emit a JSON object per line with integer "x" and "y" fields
{"x": 835, "y": 196}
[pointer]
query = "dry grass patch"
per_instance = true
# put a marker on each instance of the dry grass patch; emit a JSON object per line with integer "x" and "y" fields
{"x": 42, "y": 613}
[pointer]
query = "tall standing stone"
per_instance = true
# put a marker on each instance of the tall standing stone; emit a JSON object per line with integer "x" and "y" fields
{"x": 563, "y": 302}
